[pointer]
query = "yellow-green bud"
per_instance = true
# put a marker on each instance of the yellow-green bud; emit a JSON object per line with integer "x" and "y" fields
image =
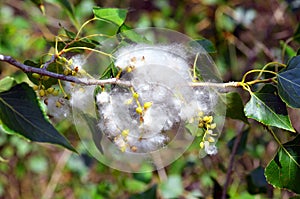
{"x": 42, "y": 92}
{"x": 139, "y": 110}
{"x": 55, "y": 92}
{"x": 147, "y": 105}
{"x": 135, "y": 95}
{"x": 67, "y": 71}
{"x": 50, "y": 90}
{"x": 58, "y": 104}
{"x": 201, "y": 145}
{"x": 35, "y": 87}
{"x": 45, "y": 78}
{"x": 208, "y": 119}
{"x": 36, "y": 76}
{"x": 213, "y": 125}
{"x": 125, "y": 132}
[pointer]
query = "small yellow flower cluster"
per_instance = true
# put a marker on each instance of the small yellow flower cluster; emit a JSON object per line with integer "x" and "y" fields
{"x": 209, "y": 138}
{"x": 121, "y": 141}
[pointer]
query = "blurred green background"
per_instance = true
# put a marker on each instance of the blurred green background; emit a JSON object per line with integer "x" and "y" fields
{"x": 246, "y": 34}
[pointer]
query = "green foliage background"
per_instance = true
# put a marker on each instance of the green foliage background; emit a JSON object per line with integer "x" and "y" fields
{"x": 242, "y": 44}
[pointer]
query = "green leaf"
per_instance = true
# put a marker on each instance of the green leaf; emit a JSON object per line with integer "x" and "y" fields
{"x": 266, "y": 107}
{"x": 207, "y": 45}
{"x": 134, "y": 186}
{"x": 129, "y": 35}
{"x": 148, "y": 194}
{"x": 6, "y": 83}
{"x": 110, "y": 71}
{"x": 172, "y": 188}
{"x": 235, "y": 107}
{"x": 20, "y": 112}
{"x": 289, "y": 83}
{"x": 112, "y": 15}
{"x": 284, "y": 170}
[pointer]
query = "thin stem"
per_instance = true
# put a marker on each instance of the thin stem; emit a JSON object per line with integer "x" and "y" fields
{"x": 90, "y": 49}
{"x": 257, "y": 71}
{"x": 267, "y": 65}
{"x": 83, "y": 25}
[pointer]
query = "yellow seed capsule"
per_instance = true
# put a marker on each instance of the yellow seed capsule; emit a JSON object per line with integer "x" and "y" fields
{"x": 42, "y": 92}
{"x": 133, "y": 148}
{"x": 129, "y": 69}
{"x": 35, "y": 87}
{"x": 200, "y": 125}
{"x": 50, "y": 90}
{"x": 213, "y": 125}
{"x": 201, "y": 145}
{"x": 35, "y": 75}
{"x": 211, "y": 139}
{"x": 67, "y": 72}
{"x": 45, "y": 78}
{"x": 139, "y": 110}
{"x": 135, "y": 95}
{"x": 125, "y": 132}
{"x": 55, "y": 92}
{"x": 73, "y": 73}
{"x": 128, "y": 102}
{"x": 58, "y": 104}
{"x": 147, "y": 105}
{"x": 200, "y": 114}
{"x": 123, "y": 148}
{"x": 208, "y": 119}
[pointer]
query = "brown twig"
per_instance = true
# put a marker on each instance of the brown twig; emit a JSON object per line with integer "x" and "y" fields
{"x": 84, "y": 81}
{"x": 56, "y": 175}
{"x": 231, "y": 162}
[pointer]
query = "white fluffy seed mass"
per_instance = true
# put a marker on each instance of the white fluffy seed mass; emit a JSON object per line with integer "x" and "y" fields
{"x": 146, "y": 117}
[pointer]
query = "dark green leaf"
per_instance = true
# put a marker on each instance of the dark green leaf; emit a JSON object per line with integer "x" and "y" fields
{"x": 235, "y": 107}
{"x": 266, "y": 107}
{"x": 284, "y": 170}
{"x": 218, "y": 190}
{"x": 110, "y": 71}
{"x": 148, "y": 194}
{"x": 207, "y": 45}
{"x": 112, "y": 15}
{"x": 20, "y": 112}
{"x": 256, "y": 181}
{"x": 242, "y": 145}
{"x": 289, "y": 83}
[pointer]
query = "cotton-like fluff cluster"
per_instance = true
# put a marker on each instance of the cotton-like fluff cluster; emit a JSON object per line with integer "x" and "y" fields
{"x": 146, "y": 116}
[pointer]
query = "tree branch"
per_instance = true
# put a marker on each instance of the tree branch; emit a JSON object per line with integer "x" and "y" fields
{"x": 84, "y": 81}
